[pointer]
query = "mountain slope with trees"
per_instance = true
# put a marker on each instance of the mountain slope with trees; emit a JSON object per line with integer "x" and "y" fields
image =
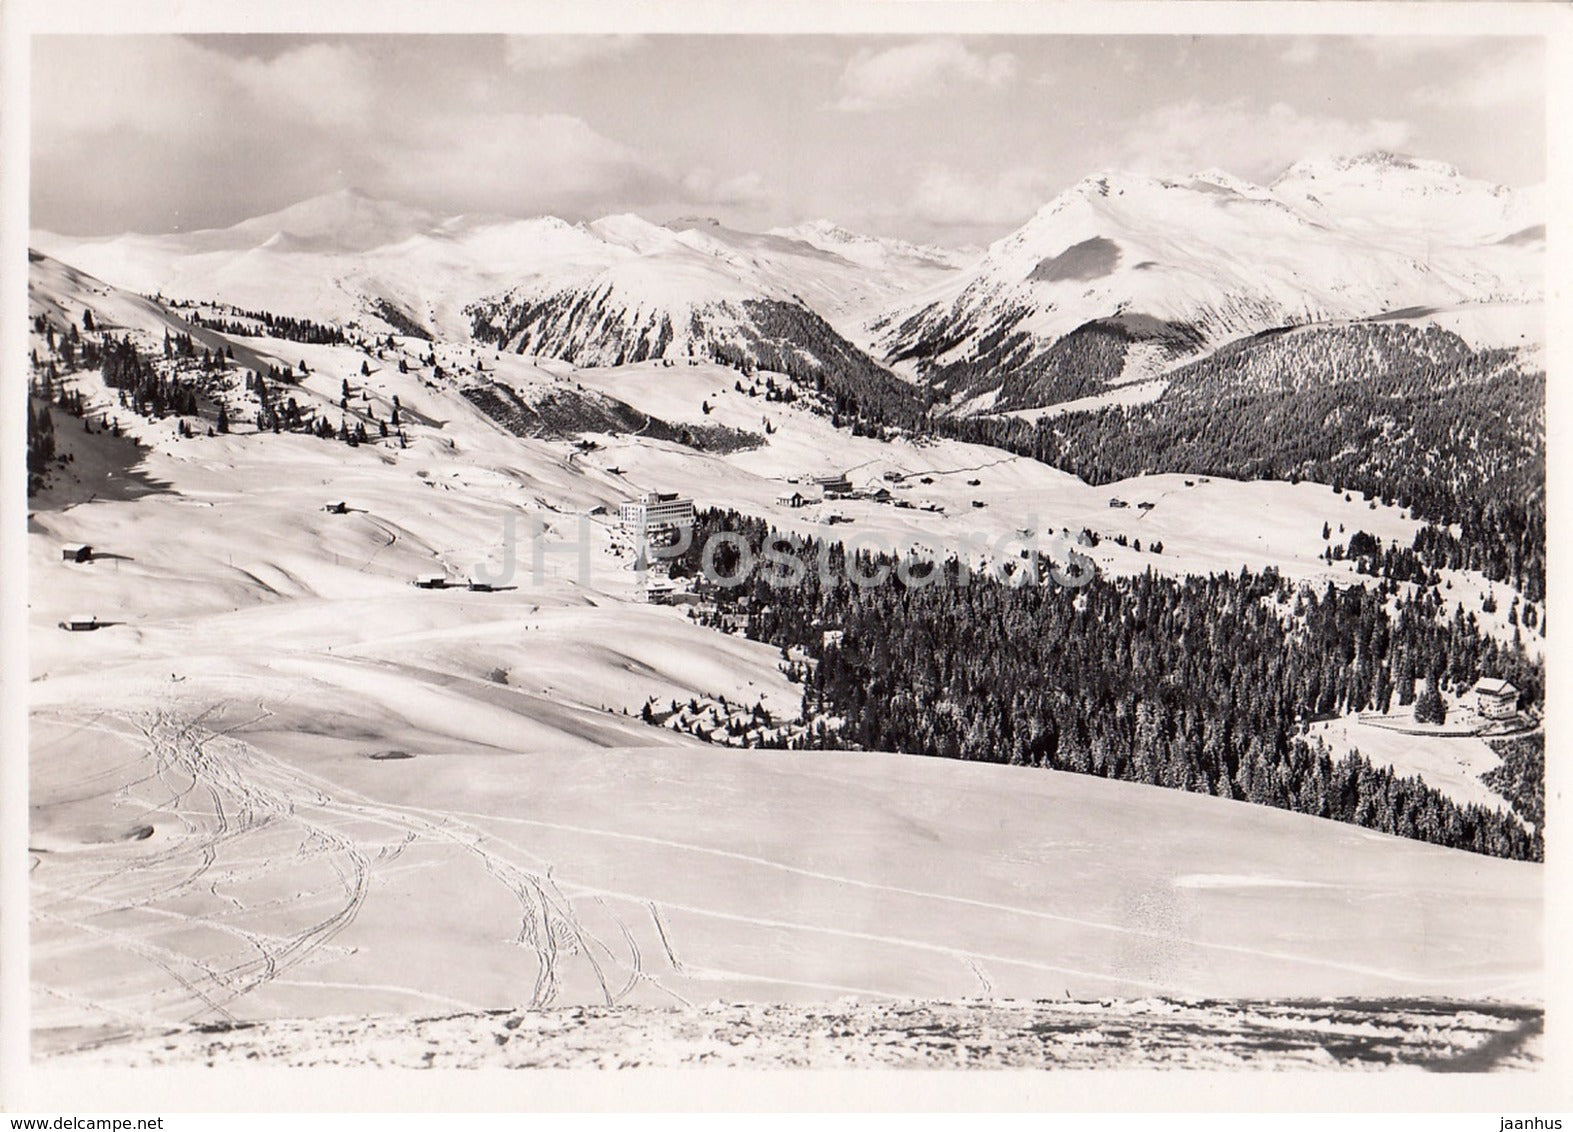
{"x": 1402, "y": 415}
{"x": 1201, "y": 683}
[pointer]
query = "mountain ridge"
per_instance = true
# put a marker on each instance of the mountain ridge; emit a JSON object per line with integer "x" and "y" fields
{"x": 1214, "y": 257}
{"x": 1198, "y": 260}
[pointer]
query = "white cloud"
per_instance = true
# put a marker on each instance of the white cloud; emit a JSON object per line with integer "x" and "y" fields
{"x": 746, "y": 189}
{"x": 316, "y": 117}
{"x": 945, "y": 198}
{"x": 1247, "y": 141}
{"x": 919, "y": 72}
{"x": 1491, "y": 84}
{"x": 1300, "y": 53}
{"x": 511, "y": 162}
{"x": 171, "y": 84}
{"x": 146, "y": 132}
{"x": 1403, "y": 50}
{"x": 560, "y": 52}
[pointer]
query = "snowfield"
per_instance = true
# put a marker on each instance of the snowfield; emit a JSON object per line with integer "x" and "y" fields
{"x": 974, "y": 1034}
{"x": 267, "y": 841}
{"x": 1451, "y": 763}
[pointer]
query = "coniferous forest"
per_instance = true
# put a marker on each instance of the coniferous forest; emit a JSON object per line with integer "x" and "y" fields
{"x": 1201, "y": 684}
{"x": 255, "y": 324}
{"x": 1402, "y": 415}
{"x": 1522, "y": 776}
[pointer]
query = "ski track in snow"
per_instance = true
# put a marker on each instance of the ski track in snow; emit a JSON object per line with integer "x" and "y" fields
{"x": 963, "y": 901}
{"x": 235, "y": 806}
{"x": 226, "y": 814}
{"x": 245, "y": 796}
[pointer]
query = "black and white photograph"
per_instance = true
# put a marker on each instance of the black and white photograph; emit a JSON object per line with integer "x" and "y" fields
{"x": 932, "y": 542}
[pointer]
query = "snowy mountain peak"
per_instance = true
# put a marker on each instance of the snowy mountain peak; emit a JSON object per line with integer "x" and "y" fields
{"x": 878, "y": 252}
{"x": 344, "y": 220}
{"x": 1376, "y": 162}
{"x": 1200, "y": 260}
{"x": 1223, "y": 179}
{"x": 1132, "y": 192}
{"x": 1401, "y": 194}
{"x": 683, "y": 223}
{"x": 1196, "y": 259}
{"x": 822, "y": 233}
{"x": 633, "y": 232}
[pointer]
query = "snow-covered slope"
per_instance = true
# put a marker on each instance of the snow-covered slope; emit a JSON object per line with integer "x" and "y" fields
{"x": 1383, "y": 194}
{"x": 1201, "y": 260}
{"x": 843, "y": 275}
{"x": 339, "y": 257}
{"x": 692, "y": 286}
{"x": 654, "y": 292}
{"x": 882, "y": 253}
{"x": 343, "y": 255}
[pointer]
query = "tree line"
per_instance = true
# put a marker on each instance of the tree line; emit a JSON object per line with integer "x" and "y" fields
{"x": 260, "y": 324}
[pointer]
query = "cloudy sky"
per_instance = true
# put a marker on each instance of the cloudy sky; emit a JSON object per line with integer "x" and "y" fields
{"x": 953, "y": 140}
